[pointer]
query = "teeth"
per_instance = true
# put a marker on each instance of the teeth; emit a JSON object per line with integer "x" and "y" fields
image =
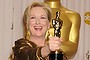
{"x": 38, "y": 28}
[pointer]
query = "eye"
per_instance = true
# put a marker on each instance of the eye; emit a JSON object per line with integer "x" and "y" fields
{"x": 32, "y": 17}
{"x": 43, "y": 17}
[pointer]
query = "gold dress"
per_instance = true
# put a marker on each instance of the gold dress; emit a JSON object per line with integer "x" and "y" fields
{"x": 26, "y": 50}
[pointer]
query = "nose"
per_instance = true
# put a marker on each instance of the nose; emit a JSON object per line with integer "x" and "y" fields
{"x": 37, "y": 21}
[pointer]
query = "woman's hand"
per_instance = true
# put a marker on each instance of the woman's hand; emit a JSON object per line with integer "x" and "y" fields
{"x": 54, "y": 43}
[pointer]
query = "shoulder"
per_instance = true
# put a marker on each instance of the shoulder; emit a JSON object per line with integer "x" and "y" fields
{"x": 24, "y": 42}
{"x": 21, "y": 41}
{"x": 70, "y": 12}
{"x": 73, "y": 16}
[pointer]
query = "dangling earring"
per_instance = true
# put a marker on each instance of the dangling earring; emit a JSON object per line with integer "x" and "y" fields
{"x": 47, "y": 36}
{"x": 28, "y": 34}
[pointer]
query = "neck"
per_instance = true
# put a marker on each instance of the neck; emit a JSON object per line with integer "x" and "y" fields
{"x": 53, "y": 3}
{"x": 39, "y": 41}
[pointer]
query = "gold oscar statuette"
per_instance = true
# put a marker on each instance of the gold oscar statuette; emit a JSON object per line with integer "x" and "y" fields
{"x": 57, "y": 25}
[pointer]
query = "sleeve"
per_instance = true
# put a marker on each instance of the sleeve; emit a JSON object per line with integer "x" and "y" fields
{"x": 26, "y": 50}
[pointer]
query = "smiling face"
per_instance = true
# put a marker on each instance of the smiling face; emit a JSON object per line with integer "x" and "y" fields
{"x": 38, "y": 23}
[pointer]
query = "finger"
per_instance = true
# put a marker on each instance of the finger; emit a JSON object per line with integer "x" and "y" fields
{"x": 61, "y": 39}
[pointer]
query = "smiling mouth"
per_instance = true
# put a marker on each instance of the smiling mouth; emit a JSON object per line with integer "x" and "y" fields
{"x": 38, "y": 28}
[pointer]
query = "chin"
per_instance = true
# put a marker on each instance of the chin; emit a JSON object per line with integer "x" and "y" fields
{"x": 39, "y": 34}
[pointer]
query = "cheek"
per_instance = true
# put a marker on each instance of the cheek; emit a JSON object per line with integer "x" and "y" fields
{"x": 31, "y": 26}
{"x": 31, "y": 23}
{"x": 47, "y": 25}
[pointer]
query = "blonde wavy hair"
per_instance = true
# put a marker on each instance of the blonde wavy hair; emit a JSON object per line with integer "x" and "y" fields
{"x": 26, "y": 16}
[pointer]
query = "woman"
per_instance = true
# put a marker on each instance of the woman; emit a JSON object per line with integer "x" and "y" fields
{"x": 37, "y": 16}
